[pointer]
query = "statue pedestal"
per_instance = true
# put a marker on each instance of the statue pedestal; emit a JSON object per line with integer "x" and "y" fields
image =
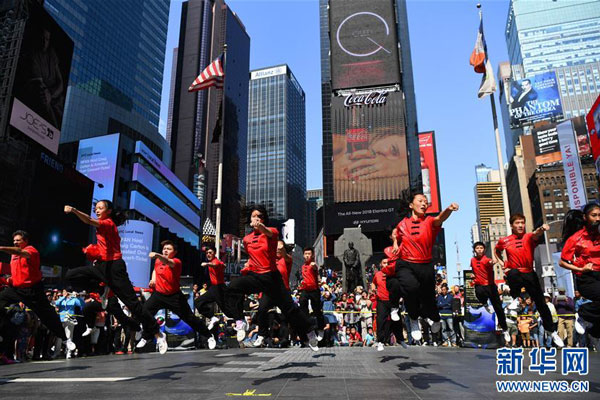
{"x": 364, "y": 247}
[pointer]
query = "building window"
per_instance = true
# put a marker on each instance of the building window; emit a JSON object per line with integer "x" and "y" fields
{"x": 553, "y": 240}
{"x": 560, "y": 216}
{"x": 548, "y": 205}
{"x": 549, "y": 217}
{"x": 546, "y": 193}
{"x": 557, "y": 193}
{"x": 558, "y": 204}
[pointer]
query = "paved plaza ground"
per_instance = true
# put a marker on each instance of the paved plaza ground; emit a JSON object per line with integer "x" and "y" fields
{"x": 331, "y": 373}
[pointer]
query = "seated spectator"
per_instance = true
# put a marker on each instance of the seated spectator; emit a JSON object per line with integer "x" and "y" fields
{"x": 369, "y": 339}
{"x": 354, "y": 338}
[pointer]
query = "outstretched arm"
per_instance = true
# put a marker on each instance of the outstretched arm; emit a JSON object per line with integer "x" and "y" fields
{"x": 540, "y": 231}
{"x": 16, "y": 251}
{"x": 86, "y": 219}
{"x": 443, "y": 216}
{"x": 165, "y": 260}
{"x": 262, "y": 228}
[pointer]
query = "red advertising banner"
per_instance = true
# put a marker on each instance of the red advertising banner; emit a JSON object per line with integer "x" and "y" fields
{"x": 593, "y": 126}
{"x": 429, "y": 171}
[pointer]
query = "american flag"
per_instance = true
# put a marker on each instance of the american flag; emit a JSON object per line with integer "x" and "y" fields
{"x": 213, "y": 75}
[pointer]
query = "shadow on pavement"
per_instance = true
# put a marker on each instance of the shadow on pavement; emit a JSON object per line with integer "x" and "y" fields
{"x": 324, "y": 355}
{"x": 294, "y": 365}
{"x": 298, "y": 376}
{"x": 390, "y": 358}
{"x": 424, "y": 381}
{"x": 410, "y": 364}
{"x": 187, "y": 364}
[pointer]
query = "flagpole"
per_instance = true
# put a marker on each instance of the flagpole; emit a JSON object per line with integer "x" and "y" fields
{"x": 499, "y": 151}
{"x": 220, "y": 173}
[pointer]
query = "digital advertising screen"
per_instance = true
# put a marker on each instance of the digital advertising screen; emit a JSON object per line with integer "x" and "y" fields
{"x": 136, "y": 244}
{"x": 429, "y": 172}
{"x": 479, "y": 323}
{"x": 97, "y": 159}
{"x": 547, "y": 145}
{"x": 533, "y": 99}
{"x": 372, "y": 216}
{"x": 364, "y": 44}
{"x": 545, "y": 142}
{"x": 369, "y": 147}
{"x": 40, "y": 85}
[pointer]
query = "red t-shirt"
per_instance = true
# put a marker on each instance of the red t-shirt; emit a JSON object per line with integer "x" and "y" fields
{"x": 310, "y": 277}
{"x": 108, "y": 240}
{"x": 390, "y": 270}
{"x": 167, "y": 278}
{"x": 379, "y": 280}
{"x": 25, "y": 272}
{"x": 216, "y": 270}
{"x": 582, "y": 248}
{"x": 284, "y": 268}
{"x": 519, "y": 251}
{"x": 483, "y": 268}
{"x": 417, "y": 238}
{"x": 262, "y": 251}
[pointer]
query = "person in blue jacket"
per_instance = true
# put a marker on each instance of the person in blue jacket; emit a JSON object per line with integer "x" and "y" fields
{"x": 69, "y": 306}
{"x": 444, "y": 305}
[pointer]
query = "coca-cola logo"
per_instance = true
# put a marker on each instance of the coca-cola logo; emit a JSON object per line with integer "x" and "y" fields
{"x": 374, "y": 97}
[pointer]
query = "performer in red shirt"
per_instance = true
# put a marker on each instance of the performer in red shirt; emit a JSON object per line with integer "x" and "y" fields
{"x": 262, "y": 275}
{"x": 309, "y": 290}
{"x": 265, "y": 304}
{"x": 215, "y": 294}
{"x": 414, "y": 280}
{"x": 485, "y": 286}
{"x": 385, "y": 326}
{"x": 167, "y": 294}
{"x": 109, "y": 266}
{"x": 518, "y": 269}
{"x": 25, "y": 285}
{"x": 581, "y": 254}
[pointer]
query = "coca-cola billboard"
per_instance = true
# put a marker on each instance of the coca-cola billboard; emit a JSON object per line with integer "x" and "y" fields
{"x": 429, "y": 172}
{"x": 369, "y": 147}
{"x": 370, "y": 98}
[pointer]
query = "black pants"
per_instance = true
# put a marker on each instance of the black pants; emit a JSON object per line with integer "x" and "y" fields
{"x": 205, "y": 304}
{"x": 272, "y": 285}
{"x": 385, "y": 325}
{"x": 314, "y": 296}
{"x": 529, "y": 280}
{"x": 176, "y": 303}
{"x": 264, "y": 318}
{"x": 588, "y": 285}
{"x": 416, "y": 284}
{"x": 490, "y": 292}
{"x": 34, "y": 298}
{"x": 114, "y": 274}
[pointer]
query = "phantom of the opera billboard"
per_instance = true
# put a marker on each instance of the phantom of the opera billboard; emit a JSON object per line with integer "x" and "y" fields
{"x": 534, "y": 99}
{"x": 364, "y": 44}
{"x": 369, "y": 155}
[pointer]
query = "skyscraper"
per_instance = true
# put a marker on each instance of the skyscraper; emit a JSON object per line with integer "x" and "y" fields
{"x": 488, "y": 201}
{"x": 368, "y": 102}
{"x": 117, "y": 69}
{"x": 206, "y": 25}
{"x": 544, "y": 35}
{"x": 276, "y": 164}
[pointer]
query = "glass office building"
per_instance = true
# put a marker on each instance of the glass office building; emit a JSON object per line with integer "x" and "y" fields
{"x": 276, "y": 160}
{"x": 544, "y": 35}
{"x": 117, "y": 69}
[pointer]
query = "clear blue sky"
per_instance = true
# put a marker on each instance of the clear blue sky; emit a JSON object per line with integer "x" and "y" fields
{"x": 442, "y": 37}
